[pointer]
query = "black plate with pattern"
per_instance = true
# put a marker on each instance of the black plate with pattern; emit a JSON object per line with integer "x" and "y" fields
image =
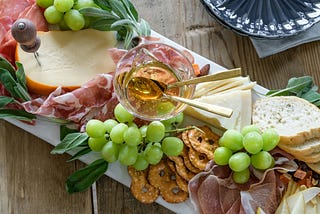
{"x": 265, "y": 18}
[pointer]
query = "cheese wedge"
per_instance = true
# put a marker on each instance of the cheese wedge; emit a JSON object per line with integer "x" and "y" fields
{"x": 238, "y": 100}
{"x": 68, "y": 59}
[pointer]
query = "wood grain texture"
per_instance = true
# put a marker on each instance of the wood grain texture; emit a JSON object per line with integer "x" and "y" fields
{"x": 32, "y": 180}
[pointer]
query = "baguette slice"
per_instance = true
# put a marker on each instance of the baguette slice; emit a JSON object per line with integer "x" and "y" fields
{"x": 295, "y": 119}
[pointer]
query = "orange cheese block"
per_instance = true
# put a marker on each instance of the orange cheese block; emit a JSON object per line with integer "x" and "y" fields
{"x": 67, "y": 58}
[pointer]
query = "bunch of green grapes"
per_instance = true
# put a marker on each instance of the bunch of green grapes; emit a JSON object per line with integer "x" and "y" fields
{"x": 250, "y": 146}
{"x": 120, "y": 139}
{"x": 66, "y": 12}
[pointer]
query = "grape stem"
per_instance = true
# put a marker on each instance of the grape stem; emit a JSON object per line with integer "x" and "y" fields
{"x": 184, "y": 129}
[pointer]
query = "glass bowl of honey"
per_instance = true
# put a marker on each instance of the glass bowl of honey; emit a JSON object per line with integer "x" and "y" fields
{"x": 142, "y": 76}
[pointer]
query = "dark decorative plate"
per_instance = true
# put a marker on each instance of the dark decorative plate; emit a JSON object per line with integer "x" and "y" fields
{"x": 265, "y": 18}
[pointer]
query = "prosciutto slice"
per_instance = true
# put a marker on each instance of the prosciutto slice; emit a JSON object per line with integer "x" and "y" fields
{"x": 95, "y": 99}
{"x": 214, "y": 191}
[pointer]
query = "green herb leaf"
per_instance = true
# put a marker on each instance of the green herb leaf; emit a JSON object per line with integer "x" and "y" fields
{"x": 296, "y": 86}
{"x": 5, "y": 64}
{"x": 17, "y": 114}
{"x": 311, "y": 96}
{"x": 103, "y": 4}
{"x": 144, "y": 28}
{"x": 131, "y": 10}
{"x": 4, "y": 100}
{"x": 85, "y": 177}
{"x": 120, "y": 16}
{"x": 103, "y": 24}
{"x": 98, "y": 13}
{"x": 70, "y": 141}
{"x": 82, "y": 152}
{"x": 21, "y": 77}
{"x": 65, "y": 130}
{"x": 118, "y": 8}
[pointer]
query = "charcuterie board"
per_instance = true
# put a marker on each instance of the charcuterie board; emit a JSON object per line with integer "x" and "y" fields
{"x": 50, "y": 132}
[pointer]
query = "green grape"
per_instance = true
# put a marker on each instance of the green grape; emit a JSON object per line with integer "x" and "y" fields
{"x": 231, "y": 139}
{"x": 132, "y": 124}
{"x": 253, "y": 142}
{"x": 52, "y": 15}
{"x": 96, "y": 144}
{"x": 128, "y": 154}
{"x": 172, "y": 146}
{"x": 110, "y": 123}
{"x": 271, "y": 139}
{"x": 116, "y": 134}
{"x": 132, "y": 136}
{"x": 96, "y": 128}
{"x": 241, "y": 177}
{"x": 74, "y": 19}
{"x": 110, "y": 151}
{"x": 222, "y": 155}
{"x": 153, "y": 154}
{"x": 63, "y": 5}
{"x": 262, "y": 160}
{"x": 155, "y": 131}
{"x": 44, "y": 3}
{"x": 143, "y": 130}
{"x": 141, "y": 163}
{"x": 250, "y": 128}
{"x": 239, "y": 161}
{"x": 174, "y": 121}
{"x": 165, "y": 108}
{"x": 79, "y": 4}
{"x": 63, "y": 25}
{"x": 122, "y": 115}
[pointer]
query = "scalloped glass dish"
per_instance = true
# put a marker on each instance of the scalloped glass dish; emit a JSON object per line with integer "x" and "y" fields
{"x": 265, "y": 18}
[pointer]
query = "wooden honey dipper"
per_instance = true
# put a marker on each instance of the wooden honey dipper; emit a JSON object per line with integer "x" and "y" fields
{"x": 25, "y": 32}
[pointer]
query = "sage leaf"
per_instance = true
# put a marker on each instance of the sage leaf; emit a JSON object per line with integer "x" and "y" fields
{"x": 70, "y": 142}
{"x": 131, "y": 10}
{"x": 312, "y": 96}
{"x": 85, "y": 177}
{"x": 65, "y": 130}
{"x": 98, "y": 13}
{"x": 103, "y": 4}
{"x": 82, "y": 152}
{"x": 103, "y": 24}
{"x": 296, "y": 86}
{"x": 16, "y": 114}
{"x": 8, "y": 81}
{"x": 5, "y": 64}
{"x": 21, "y": 76}
{"x": 118, "y": 8}
{"x": 4, "y": 100}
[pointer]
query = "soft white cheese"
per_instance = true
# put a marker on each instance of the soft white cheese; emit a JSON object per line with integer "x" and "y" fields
{"x": 69, "y": 58}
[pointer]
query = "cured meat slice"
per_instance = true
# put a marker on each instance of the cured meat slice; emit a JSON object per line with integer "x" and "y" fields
{"x": 95, "y": 99}
{"x": 214, "y": 191}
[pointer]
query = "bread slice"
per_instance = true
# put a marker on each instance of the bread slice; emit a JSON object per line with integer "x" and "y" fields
{"x": 295, "y": 119}
{"x": 309, "y": 147}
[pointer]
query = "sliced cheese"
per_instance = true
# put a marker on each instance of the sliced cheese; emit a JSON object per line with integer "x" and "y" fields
{"x": 239, "y": 100}
{"x": 221, "y": 86}
{"x": 68, "y": 59}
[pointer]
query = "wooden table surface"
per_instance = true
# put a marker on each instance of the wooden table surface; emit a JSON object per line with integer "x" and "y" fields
{"x": 32, "y": 180}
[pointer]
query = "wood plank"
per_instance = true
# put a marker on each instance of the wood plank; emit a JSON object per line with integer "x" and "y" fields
{"x": 32, "y": 180}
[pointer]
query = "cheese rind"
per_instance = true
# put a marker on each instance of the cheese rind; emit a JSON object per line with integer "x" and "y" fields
{"x": 68, "y": 59}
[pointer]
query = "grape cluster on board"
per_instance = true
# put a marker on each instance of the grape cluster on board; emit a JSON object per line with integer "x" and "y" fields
{"x": 121, "y": 139}
{"x": 66, "y": 12}
{"x": 239, "y": 150}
